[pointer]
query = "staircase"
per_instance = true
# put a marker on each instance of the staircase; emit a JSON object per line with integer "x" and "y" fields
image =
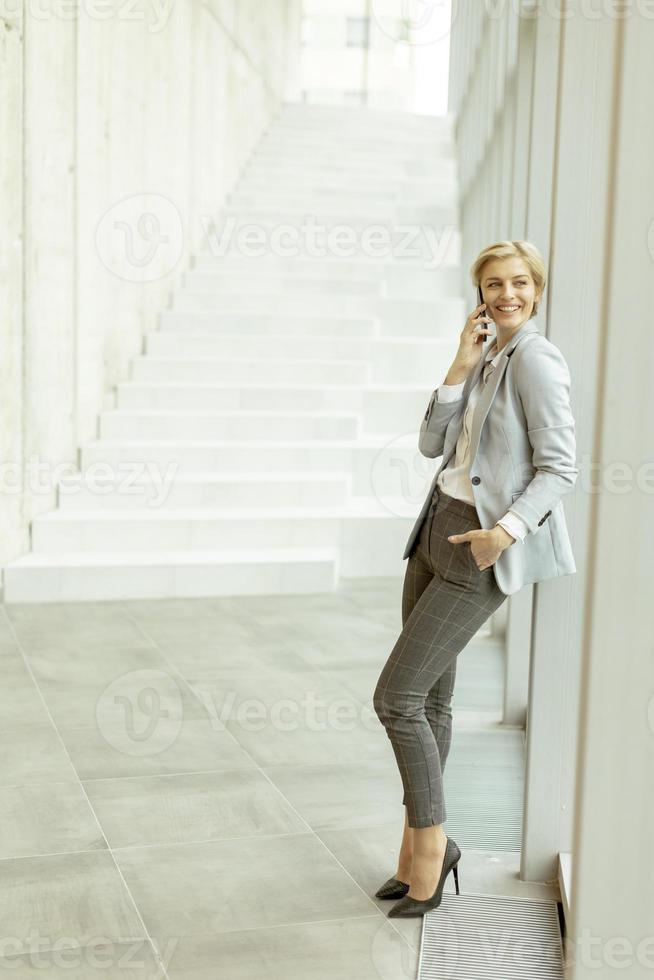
{"x": 266, "y": 440}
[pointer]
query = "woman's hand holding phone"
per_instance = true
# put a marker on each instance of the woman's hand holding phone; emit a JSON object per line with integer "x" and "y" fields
{"x": 471, "y": 343}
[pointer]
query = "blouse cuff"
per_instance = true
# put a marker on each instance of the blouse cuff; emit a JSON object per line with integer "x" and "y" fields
{"x": 449, "y": 393}
{"x": 515, "y": 526}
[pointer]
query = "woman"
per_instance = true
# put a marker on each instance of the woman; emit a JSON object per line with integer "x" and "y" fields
{"x": 492, "y": 522}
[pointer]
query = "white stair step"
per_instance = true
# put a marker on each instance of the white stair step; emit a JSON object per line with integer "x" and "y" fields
{"x": 335, "y": 159}
{"x": 150, "y": 368}
{"x": 275, "y": 217}
{"x": 386, "y": 208}
{"x": 400, "y": 278}
{"x": 208, "y": 343}
{"x": 291, "y": 167}
{"x": 70, "y": 577}
{"x": 372, "y": 249}
{"x": 153, "y": 529}
{"x": 392, "y": 402}
{"x": 445, "y": 168}
{"x": 364, "y": 127}
{"x": 371, "y": 149}
{"x": 339, "y": 311}
{"x": 203, "y": 311}
{"x": 241, "y": 424}
{"x": 374, "y": 190}
{"x": 252, "y": 198}
{"x": 83, "y": 491}
{"x": 383, "y": 140}
{"x": 256, "y": 180}
{"x": 350, "y": 143}
{"x": 338, "y": 178}
{"x": 302, "y": 115}
{"x": 378, "y": 410}
{"x": 238, "y": 285}
{"x": 325, "y": 171}
{"x": 387, "y": 316}
{"x": 380, "y": 464}
{"x": 359, "y": 268}
{"x": 183, "y": 355}
{"x": 407, "y": 244}
{"x": 382, "y": 172}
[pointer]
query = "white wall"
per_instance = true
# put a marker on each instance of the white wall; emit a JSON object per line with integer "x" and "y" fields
{"x": 11, "y": 283}
{"x": 135, "y": 124}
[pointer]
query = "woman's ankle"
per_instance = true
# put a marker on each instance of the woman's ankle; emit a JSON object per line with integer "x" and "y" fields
{"x": 428, "y": 840}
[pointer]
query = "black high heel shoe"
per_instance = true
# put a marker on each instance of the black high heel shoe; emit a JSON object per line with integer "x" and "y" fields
{"x": 414, "y": 906}
{"x": 393, "y": 888}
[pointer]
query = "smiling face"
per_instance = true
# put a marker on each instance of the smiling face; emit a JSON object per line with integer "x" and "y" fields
{"x": 509, "y": 291}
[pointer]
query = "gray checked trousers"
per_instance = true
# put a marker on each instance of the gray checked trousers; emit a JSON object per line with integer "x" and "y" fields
{"x": 445, "y": 600}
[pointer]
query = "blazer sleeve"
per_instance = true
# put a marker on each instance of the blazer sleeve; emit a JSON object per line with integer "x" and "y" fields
{"x": 432, "y": 429}
{"x": 543, "y": 385}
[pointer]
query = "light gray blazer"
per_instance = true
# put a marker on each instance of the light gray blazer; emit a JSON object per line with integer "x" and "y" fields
{"x": 522, "y": 452}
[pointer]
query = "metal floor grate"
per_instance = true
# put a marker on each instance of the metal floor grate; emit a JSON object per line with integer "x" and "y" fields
{"x": 481, "y": 937}
{"x": 484, "y": 790}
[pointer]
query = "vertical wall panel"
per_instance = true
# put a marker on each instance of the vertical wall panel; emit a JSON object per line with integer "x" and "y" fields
{"x": 12, "y": 530}
{"x": 49, "y": 316}
{"x": 613, "y": 898}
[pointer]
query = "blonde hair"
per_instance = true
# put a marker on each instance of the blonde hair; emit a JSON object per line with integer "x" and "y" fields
{"x": 507, "y": 250}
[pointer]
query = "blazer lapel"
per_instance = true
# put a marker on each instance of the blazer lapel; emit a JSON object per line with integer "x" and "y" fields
{"x": 473, "y": 377}
{"x": 489, "y": 390}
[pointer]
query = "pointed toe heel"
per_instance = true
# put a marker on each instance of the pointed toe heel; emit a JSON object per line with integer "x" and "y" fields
{"x": 413, "y": 906}
{"x": 393, "y": 888}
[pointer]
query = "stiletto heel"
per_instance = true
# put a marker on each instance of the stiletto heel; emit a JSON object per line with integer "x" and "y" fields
{"x": 414, "y": 906}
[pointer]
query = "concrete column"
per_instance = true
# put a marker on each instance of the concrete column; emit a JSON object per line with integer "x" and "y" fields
{"x": 49, "y": 311}
{"x": 581, "y": 150}
{"x": 111, "y": 253}
{"x": 533, "y": 189}
{"x": 519, "y": 613}
{"x": 524, "y": 79}
{"x": 612, "y": 898}
{"x": 292, "y": 86}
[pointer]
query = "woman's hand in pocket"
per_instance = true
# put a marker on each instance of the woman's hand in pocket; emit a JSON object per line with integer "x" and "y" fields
{"x": 486, "y": 546}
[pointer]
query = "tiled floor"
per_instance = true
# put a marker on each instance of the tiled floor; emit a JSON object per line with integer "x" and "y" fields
{"x": 205, "y": 782}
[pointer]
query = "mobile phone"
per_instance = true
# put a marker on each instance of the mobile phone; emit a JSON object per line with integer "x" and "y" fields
{"x": 484, "y": 336}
